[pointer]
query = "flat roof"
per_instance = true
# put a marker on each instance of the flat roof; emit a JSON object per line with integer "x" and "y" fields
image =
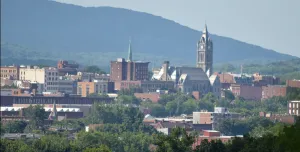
{"x": 211, "y": 131}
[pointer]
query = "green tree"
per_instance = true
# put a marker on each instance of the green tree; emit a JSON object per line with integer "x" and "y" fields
{"x": 177, "y": 141}
{"x": 14, "y": 146}
{"x": 126, "y": 99}
{"x": 36, "y": 115}
{"x": 189, "y": 106}
{"x": 94, "y": 69}
{"x": 52, "y": 143}
{"x": 15, "y": 127}
{"x": 102, "y": 148}
{"x": 229, "y": 95}
{"x": 213, "y": 146}
{"x": 2, "y": 129}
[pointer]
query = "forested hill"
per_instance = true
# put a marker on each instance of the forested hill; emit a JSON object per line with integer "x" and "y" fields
{"x": 96, "y": 35}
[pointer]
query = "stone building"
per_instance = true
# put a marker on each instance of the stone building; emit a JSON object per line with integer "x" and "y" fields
{"x": 205, "y": 53}
{"x": 215, "y": 85}
{"x": 186, "y": 79}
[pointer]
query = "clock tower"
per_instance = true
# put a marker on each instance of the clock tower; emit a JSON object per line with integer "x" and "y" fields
{"x": 205, "y": 53}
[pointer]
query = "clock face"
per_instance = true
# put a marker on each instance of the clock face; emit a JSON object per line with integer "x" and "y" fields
{"x": 201, "y": 46}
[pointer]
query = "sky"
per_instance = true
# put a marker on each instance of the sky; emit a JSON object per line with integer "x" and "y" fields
{"x": 272, "y": 24}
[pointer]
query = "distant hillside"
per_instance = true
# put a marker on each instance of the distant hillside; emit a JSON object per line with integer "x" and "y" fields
{"x": 52, "y": 31}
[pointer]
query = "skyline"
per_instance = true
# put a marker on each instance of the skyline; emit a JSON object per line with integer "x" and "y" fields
{"x": 279, "y": 31}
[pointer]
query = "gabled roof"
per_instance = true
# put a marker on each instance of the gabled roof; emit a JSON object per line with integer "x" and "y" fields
{"x": 213, "y": 79}
{"x": 193, "y": 73}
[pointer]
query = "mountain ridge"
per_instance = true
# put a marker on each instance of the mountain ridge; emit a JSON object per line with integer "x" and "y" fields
{"x": 81, "y": 33}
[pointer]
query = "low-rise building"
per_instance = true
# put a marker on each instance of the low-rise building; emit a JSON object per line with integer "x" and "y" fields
{"x": 273, "y": 91}
{"x": 99, "y": 87}
{"x": 247, "y": 92}
{"x": 293, "y": 83}
{"x": 211, "y": 135}
{"x": 205, "y": 117}
{"x": 294, "y": 108}
{"x": 146, "y": 86}
{"x": 152, "y": 96}
{"x": 262, "y": 80}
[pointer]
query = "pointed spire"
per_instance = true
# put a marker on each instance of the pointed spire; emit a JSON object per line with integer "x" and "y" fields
{"x": 129, "y": 51}
{"x": 205, "y": 28}
{"x": 54, "y": 109}
{"x": 53, "y": 114}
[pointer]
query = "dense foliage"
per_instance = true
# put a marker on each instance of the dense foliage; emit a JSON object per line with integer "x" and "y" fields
{"x": 94, "y": 69}
{"x": 241, "y": 127}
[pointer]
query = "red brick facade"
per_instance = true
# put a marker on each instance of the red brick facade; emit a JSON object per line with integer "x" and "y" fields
{"x": 121, "y": 70}
{"x": 272, "y": 91}
{"x": 293, "y": 83}
{"x": 247, "y": 92}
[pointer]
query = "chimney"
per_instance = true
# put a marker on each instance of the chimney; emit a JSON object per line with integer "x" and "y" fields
{"x": 165, "y": 68}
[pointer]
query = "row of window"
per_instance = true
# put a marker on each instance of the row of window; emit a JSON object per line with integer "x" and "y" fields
{"x": 52, "y": 83}
{"x": 52, "y": 88}
{"x": 52, "y": 73}
{"x": 6, "y": 75}
{"x": 52, "y": 78}
{"x": 14, "y": 71}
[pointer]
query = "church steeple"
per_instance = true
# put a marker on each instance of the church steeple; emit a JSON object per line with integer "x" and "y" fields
{"x": 53, "y": 114}
{"x": 205, "y": 52}
{"x": 129, "y": 51}
{"x": 205, "y": 29}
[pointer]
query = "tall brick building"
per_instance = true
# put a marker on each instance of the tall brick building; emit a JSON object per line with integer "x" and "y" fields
{"x": 129, "y": 70}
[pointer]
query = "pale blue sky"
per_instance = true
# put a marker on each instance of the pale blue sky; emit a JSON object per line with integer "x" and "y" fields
{"x": 273, "y": 24}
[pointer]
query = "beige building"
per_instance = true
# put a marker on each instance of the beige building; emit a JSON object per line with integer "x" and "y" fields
{"x": 99, "y": 87}
{"x": 9, "y": 72}
{"x": 47, "y": 76}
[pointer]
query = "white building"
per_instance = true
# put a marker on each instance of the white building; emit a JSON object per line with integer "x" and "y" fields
{"x": 294, "y": 108}
{"x": 47, "y": 76}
